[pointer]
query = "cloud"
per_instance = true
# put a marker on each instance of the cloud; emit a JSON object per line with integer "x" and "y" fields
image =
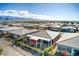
{"x": 25, "y": 14}
{"x": 41, "y": 16}
{"x": 8, "y": 13}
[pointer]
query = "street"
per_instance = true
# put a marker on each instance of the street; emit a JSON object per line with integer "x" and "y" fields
{"x": 9, "y": 50}
{"x": 23, "y": 52}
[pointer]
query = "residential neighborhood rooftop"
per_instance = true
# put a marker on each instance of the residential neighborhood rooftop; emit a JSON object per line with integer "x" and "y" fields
{"x": 22, "y": 31}
{"x": 37, "y": 38}
{"x": 42, "y": 34}
{"x": 52, "y": 34}
{"x": 66, "y": 36}
{"x": 72, "y": 42}
{"x": 46, "y": 34}
{"x": 66, "y": 27}
{"x": 10, "y": 28}
{"x": 2, "y": 26}
{"x": 55, "y": 25}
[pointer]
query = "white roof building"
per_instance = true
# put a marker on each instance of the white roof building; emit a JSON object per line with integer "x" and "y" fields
{"x": 52, "y": 34}
{"x": 72, "y": 42}
{"x": 46, "y": 35}
{"x": 68, "y": 27}
{"x": 66, "y": 36}
{"x": 37, "y": 38}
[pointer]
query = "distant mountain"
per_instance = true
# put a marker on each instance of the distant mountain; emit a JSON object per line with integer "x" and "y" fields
{"x": 13, "y": 18}
{"x": 9, "y": 18}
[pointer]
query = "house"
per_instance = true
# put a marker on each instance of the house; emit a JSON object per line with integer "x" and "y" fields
{"x": 2, "y": 26}
{"x": 16, "y": 25}
{"x": 9, "y": 28}
{"x": 55, "y": 27}
{"x": 29, "y": 26}
{"x": 68, "y": 43}
{"x": 68, "y": 29}
{"x": 43, "y": 27}
{"x": 43, "y": 38}
{"x": 36, "y": 41}
{"x": 20, "y": 33}
{"x": 4, "y": 31}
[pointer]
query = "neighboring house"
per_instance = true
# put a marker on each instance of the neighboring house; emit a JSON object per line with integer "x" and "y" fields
{"x": 9, "y": 28}
{"x": 16, "y": 25}
{"x": 4, "y": 31}
{"x": 68, "y": 43}
{"x": 29, "y": 26}
{"x": 55, "y": 27}
{"x": 21, "y": 32}
{"x": 43, "y": 27}
{"x": 68, "y": 29}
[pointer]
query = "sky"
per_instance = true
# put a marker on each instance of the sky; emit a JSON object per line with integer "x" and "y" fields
{"x": 45, "y": 11}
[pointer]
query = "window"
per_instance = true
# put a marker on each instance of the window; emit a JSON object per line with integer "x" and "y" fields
{"x": 46, "y": 42}
{"x": 39, "y": 40}
{"x": 69, "y": 49}
{"x": 64, "y": 48}
{"x": 59, "y": 47}
{"x": 72, "y": 30}
{"x": 49, "y": 42}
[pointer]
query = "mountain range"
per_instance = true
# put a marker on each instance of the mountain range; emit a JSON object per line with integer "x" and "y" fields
{"x": 9, "y": 18}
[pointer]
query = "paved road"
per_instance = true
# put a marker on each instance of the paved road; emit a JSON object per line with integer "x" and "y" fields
{"x": 1, "y": 42}
{"x": 23, "y": 52}
{"x": 9, "y": 51}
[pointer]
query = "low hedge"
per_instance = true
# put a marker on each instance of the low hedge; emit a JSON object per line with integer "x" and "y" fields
{"x": 40, "y": 52}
